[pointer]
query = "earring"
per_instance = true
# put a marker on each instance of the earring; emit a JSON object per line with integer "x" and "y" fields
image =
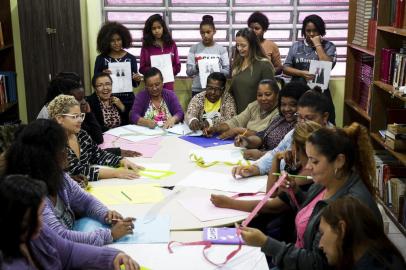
{"x": 335, "y": 172}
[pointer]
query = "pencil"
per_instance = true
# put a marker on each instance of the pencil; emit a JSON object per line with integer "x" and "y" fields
{"x": 243, "y": 134}
{"x": 296, "y": 176}
{"x": 122, "y": 192}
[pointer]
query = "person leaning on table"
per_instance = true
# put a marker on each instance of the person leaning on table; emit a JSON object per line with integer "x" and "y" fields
{"x": 155, "y": 105}
{"x": 25, "y": 243}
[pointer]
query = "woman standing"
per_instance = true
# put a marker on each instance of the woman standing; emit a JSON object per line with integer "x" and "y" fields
{"x": 112, "y": 39}
{"x": 250, "y": 66}
{"x": 157, "y": 41}
{"x": 206, "y": 49}
{"x": 313, "y": 47}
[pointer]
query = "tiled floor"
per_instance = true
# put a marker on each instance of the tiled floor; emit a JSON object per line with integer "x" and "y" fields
{"x": 396, "y": 236}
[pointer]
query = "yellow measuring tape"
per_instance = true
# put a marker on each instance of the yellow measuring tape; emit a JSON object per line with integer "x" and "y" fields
{"x": 149, "y": 173}
{"x": 201, "y": 163}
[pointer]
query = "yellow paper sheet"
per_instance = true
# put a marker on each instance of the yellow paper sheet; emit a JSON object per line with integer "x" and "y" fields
{"x": 127, "y": 194}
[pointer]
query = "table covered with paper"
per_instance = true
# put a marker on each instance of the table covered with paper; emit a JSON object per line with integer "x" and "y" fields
{"x": 171, "y": 198}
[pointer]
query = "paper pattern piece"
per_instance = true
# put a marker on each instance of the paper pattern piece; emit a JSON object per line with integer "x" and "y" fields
{"x": 135, "y": 133}
{"x": 121, "y": 75}
{"x": 321, "y": 71}
{"x": 220, "y": 155}
{"x": 203, "y": 209}
{"x": 146, "y": 147}
{"x": 208, "y": 64}
{"x": 163, "y": 62}
{"x": 224, "y": 236}
{"x": 224, "y": 182}
{"x": 205, "y": 141}
{"x": 156, "y": 231}
{"x": 183, "y": 129}
{"x": 127, "y": 194}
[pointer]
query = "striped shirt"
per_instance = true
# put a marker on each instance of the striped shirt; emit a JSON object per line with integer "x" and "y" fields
{"x": 79, "y": 202}
{"x": 90, "y": 154}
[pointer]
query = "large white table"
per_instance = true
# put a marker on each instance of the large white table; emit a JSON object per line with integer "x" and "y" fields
{"x": 185, "y": 226}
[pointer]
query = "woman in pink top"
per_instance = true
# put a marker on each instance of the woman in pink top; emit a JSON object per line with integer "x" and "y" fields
{"x": 158, "y": 41}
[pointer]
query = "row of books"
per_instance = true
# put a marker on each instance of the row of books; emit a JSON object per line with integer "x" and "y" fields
{"x": 363, "y": 80}
{"x": 397, "y": 13}
{"x": 393, "y": 66}
{"x": 8, "y": 87}
{"x": 362, "y": 18}
{"x": 391, "y": 184}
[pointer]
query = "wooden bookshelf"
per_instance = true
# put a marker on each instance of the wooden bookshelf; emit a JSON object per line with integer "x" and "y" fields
{"x": 7, "y": 46}
{"x": 382, "y": 96}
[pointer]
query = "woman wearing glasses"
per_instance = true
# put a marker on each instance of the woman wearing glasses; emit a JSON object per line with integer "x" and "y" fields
{"x": 110, "y": 111}
{"x": 212, "y": 106}
{"x": 83, "y": 153}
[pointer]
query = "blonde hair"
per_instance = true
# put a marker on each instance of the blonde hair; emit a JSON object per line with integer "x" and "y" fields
{"x": 302, "y": 131}
{"x": 61, "y": 104}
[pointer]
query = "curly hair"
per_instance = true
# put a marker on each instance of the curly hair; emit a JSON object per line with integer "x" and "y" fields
{"x": 61, "y": 104}
{"x": 39, "y": 151}
{"x": 293, "y": 90}
{"x": 317, "y": 21}
{"x": 362, "y": 227}
{"x": 60, "y": 85}
{"x": 20, "y": 199}
{"x": 107, "y": 31}
{"x": 260, "y": 18}
{"x": 148, "y": 38}
{"x": 256, "y": 52}
{"x": 354, "y": 143}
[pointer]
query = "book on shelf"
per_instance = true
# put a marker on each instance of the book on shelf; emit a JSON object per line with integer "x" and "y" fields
{"x": 362, "y": 17}
{"x": 1, "y": 37}
{"x": 399, "y": 14}
{"x": 387, "y": 54}
{"x": 10, "y": 93}
{"x": 398, "y": 189}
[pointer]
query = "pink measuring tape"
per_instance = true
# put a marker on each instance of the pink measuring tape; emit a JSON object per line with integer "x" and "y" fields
{"x": 208, "y": 244}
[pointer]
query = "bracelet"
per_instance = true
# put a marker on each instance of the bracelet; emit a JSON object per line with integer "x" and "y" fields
{"x": 317, "y": 45}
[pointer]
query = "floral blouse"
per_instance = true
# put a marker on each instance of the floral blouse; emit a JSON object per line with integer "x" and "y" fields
{"x": 158, "y": 114}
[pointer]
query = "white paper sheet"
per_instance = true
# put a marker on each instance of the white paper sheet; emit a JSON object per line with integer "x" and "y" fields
{"x": 183, "y": 129}
{"x": 222, "y": 181}
{"x": 191, "y": 257}
{"x": 207, "y": 65}
{"x": 221, "y": 155}
{"x": 163, "y": 62}
{"x": 121, "y": 75}
{"x": 321, "y": 71}
{"x": 135, "y": 133}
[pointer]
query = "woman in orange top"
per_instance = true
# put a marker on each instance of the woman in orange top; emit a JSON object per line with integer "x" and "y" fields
{"x": 259, "y": 23}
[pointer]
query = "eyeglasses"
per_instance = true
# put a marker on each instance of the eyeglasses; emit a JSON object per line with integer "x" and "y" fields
{"x": 305, "y": 118}
{"x": 77, "y": 117}
{"x": 215, "y": 89}
{"x": 101, "y": 86}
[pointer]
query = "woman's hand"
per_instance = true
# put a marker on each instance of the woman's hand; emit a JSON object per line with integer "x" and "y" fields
{"x": 252, "y": 154}
{"x": 130, "y": 165}
{"x": 117, "y": 102}
{"x": 316, "y": 40}
{"x": 253, "y": 237}
{"x": 208, "y": 132}
{"x": 125, "y": 174}
{"x": 122, "y": 227}
{"x": 221, "y": 201}
{"x": 306, "y": 75}
{"x": 231, "y": 133}
{"x": 137, "y": 77}
{"x": 150, "y": 123}
{"x": 240, "y": 141}
{"x": 170, "y": 122}
{"x": 111, "y": 214}
{"x": 129, "y": 153}
{"x": 288, "y": 183}
{"x": 85, "y": 107}
{"x": 127, "y": 261}
{"x": 194, "y": 125}
{"x": 245, "y": 171}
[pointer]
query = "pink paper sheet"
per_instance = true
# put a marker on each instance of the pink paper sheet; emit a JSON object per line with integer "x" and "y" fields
{"x": 148, "y": 147}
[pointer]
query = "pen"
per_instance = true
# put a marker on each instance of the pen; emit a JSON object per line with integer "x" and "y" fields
{"x": 296, "y": 176}
{"x": 122, "y": 192}
{"x": 243, "y": 134}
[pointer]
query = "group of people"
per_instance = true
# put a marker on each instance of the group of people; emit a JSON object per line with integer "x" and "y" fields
{"x": 283, "y": 127}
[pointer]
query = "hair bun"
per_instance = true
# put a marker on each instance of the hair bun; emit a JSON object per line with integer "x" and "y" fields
{"x": 317, "y": 89}
{"x": 207, "y": 18}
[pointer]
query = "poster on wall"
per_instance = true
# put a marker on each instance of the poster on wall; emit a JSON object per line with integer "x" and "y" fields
{"x": 121, "y": 76}
{"x": 207, "y": 65}
{"x": 321, "y": 71}
{"x": 163, "y": 62}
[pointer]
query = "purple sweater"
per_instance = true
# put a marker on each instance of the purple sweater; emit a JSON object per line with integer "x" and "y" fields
{"x": 83, "y": 204}
{"x": 53, "y": 252}
{"x": 145, "y": 59}
{"x": 141, "y": 103}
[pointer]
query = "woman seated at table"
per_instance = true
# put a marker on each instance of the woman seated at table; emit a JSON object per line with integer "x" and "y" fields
{"x": 352, "y": 238}
{"x": 25, "y": 243}
{"x": 256, "y": 117}
{"x": 267, "y": 139}
{"x": 212, "y": 106}
{"x": 83, "y": 153}
{"x": 109, "y": 110}
{"x": 39, "y": 152}
{"x": 155, "y": 105}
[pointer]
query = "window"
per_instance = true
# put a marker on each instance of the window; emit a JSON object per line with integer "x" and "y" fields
{"x": 184, "y": 16}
